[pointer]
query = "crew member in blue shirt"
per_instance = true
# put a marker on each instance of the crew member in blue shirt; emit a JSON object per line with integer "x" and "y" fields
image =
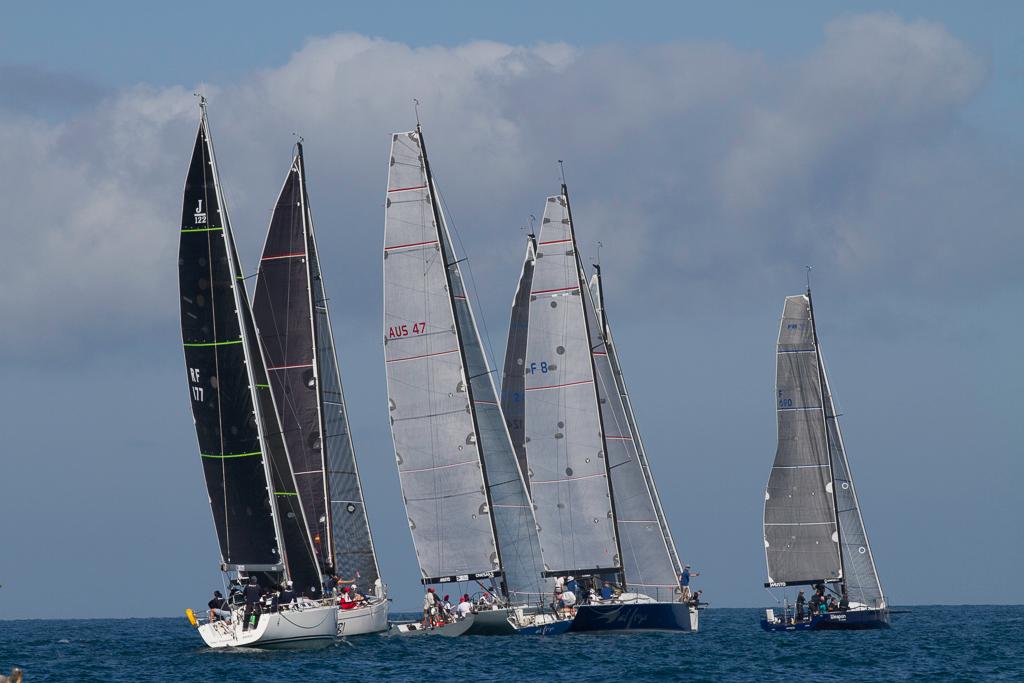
{"x": 684, "y": 584}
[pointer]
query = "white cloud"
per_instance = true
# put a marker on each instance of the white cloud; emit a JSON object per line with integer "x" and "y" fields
{"x": 693, "y": 163}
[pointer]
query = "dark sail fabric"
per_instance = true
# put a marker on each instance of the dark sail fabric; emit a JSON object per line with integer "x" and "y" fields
{"x": 513, "y": 379}
{"x": 565, "y": 448}
{"x": 354, "y": 556}
{"x": 800, "y": 532}
{"x": 432, "y": 421}
{"x": 647, "y": 562}
{"x": 219, "y": 381}
{"x": 620, "y": 380}
{"x": 514, "y": 521}
{"x": 303, "y": 568}
{"x": 282, "y": 309}
{"x": 859, "y": 574}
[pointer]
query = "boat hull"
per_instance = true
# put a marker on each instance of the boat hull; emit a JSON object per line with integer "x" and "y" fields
{"x": 492, "y": 622}
{"x": 372, "y": 618}
{"x": 412, "y": 628}
{"x": 638, "y": 616}
{"x": 289, "y": 629}
{"x": 853, "y": 620}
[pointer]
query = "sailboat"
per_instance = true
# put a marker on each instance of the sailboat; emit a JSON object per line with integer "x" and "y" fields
{"x": 468, "y": 511}
{"x": 293, "y": 322}
{"x": 599, "y": 515}
{"x": 813, "y": 531}
{"x": 261, "y": 527}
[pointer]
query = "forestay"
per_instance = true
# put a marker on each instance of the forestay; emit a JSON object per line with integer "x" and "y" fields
{"x": 800, "y": 531}
{"x": 432, "y": 422}
{"x": 564, "y": 445}
{"x": 648, "y": 559}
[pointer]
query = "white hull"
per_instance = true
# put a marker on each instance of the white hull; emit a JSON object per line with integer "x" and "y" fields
{"x": 413, "y": 628}
{"x": 293, "y": 628}
{"x": 371, "y": 618}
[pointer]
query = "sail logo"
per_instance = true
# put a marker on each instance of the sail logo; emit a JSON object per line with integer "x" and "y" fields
{"x": 197, "y": 391}
{"x": 200, "y": 215}
{"x": 396, "y": 331}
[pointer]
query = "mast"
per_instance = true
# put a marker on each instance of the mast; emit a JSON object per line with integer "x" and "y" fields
{"x": 328, "y": 555}
{"x": 597, "y": 396}
{"x": 448, "y": 263}
{"x": 828, "y": 441}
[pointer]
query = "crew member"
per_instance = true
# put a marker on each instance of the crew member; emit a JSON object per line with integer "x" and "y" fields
{"x": 252, "y": 594}
{"x": 219, "y": 608}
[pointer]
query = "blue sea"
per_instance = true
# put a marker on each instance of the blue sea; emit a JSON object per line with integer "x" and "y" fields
{"x": 929, "y": 643}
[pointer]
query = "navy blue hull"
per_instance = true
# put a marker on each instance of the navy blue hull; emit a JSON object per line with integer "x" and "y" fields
{"x": 553, "y": 629}
{"x": 649, "y": 616}
{"x": 847, "y": 621}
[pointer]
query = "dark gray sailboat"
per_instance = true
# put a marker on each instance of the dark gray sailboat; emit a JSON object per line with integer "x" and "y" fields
{"x": 290, "y": 308}
{"x": 261, "y": 527}
{"x": 813, "y": 530}
{"x": 600, "y": 518}
{"x": 469, "y": 514}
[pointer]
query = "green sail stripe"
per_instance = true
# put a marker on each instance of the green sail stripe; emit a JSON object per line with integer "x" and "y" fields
{"x": 284, "y": 493}
{"x": 231, "y": 455}
{"x": 200, "y": 229}
{"x": 262, "y": 386}
{"x": 220, "y": 343}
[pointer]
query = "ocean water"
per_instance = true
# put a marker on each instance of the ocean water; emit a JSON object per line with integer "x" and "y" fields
{"x": 934, "y": 643}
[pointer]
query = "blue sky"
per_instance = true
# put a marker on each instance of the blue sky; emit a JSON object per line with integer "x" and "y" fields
{"x": 714, "y": 151}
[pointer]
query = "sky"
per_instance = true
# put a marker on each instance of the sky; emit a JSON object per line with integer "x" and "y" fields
{"x": 713, "y": 152}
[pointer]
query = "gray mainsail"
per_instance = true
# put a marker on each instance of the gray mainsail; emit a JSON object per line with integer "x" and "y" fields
{"x": 514, "y": 521}
{"x": 351, "y": 540}
{"x": 859, "y": 576}
{"x": 565, "y": 445}
{"x": 513, "y": 378}
{"x": 801, "y": 535}
{"x": 649, "y": 560}
{"x": 464, "y": 493}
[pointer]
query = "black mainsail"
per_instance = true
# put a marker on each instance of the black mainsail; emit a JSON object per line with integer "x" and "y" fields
{"x": 290, "y": 310}
{"x": 465, "y": 498}
{"x": 259, "y": 523}
{"x": 813, "y": 530}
